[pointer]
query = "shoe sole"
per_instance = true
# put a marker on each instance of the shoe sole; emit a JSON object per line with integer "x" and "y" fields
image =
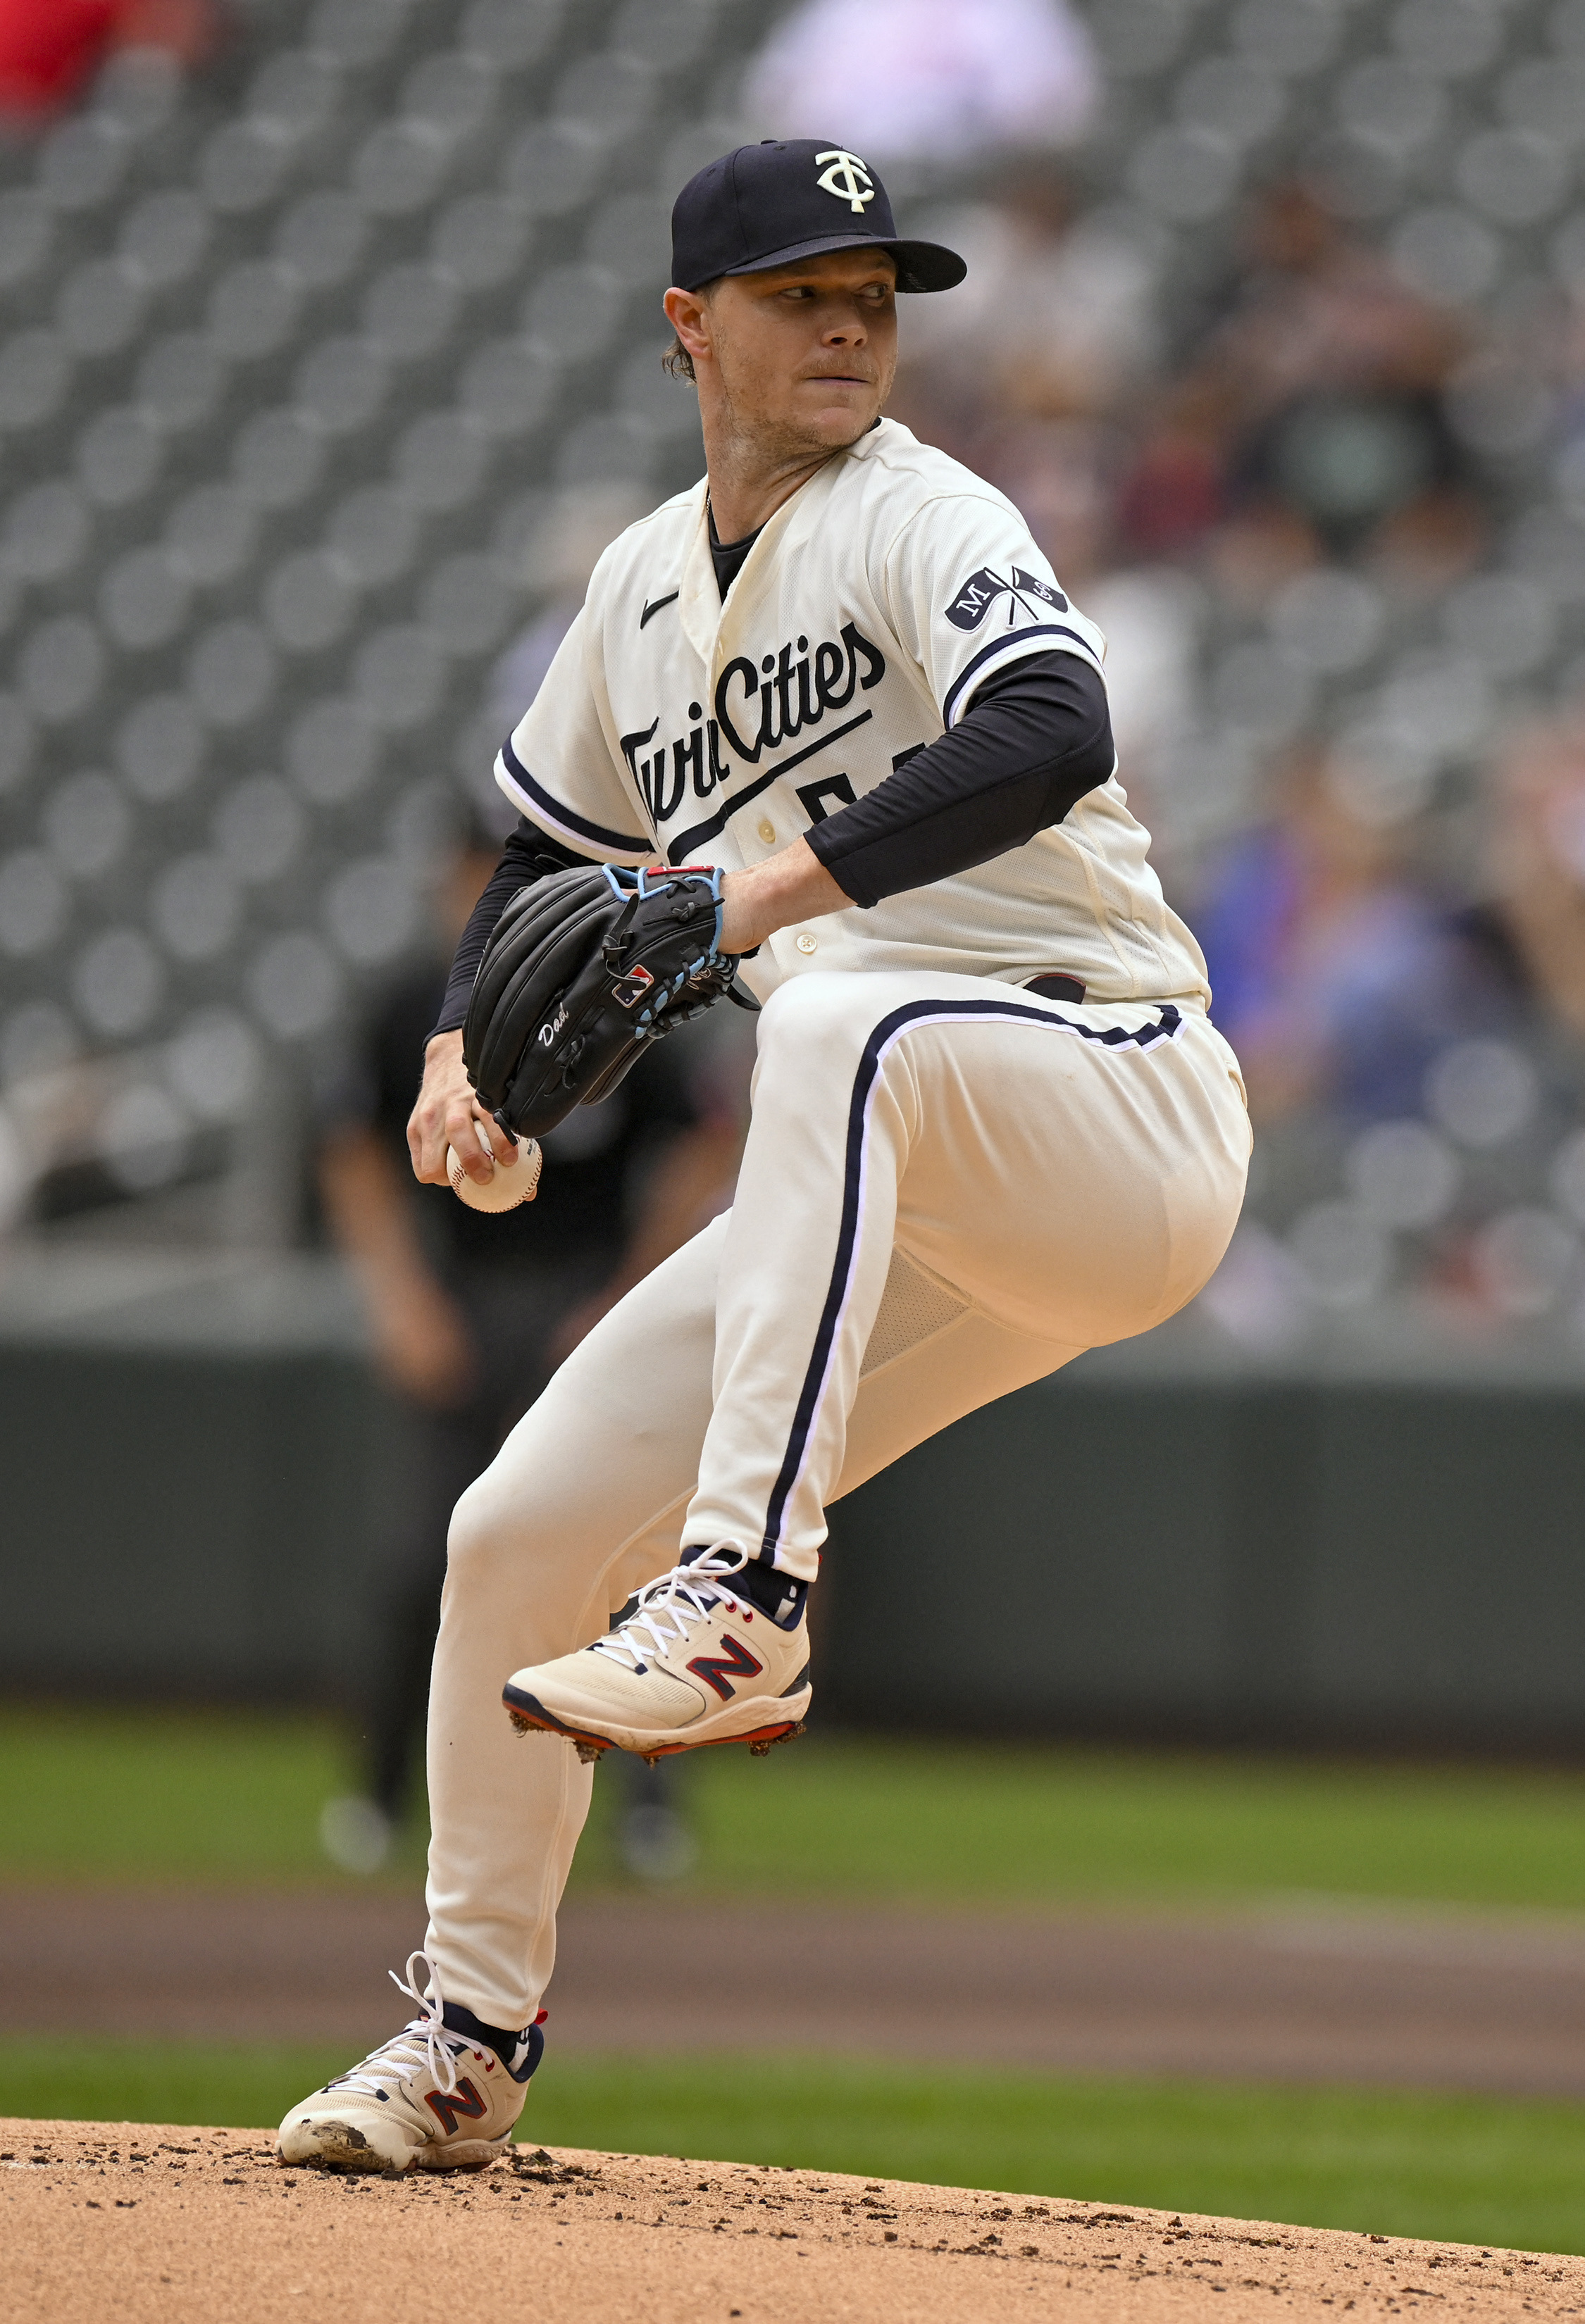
{"x": 528, "y": 1714}
{"x": 342, "y": 2146}
{"x": 468, "y": 2154}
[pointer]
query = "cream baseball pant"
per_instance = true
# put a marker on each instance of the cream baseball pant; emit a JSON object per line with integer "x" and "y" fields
{"x": 951, "y": 1187}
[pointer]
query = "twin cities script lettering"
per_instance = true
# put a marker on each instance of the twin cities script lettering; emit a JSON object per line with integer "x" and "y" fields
{"x": 771, "y": 704}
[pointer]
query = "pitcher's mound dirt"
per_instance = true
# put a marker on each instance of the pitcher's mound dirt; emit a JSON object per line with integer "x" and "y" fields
{"x": 130, "y": 2221}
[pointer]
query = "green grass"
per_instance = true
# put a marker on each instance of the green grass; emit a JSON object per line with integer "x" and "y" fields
{"x": 967, "y": 1824}
{"x": 1468, "y": 2170}
{"x": 174, "y": 1796}
{"x": 165, "y": 1796}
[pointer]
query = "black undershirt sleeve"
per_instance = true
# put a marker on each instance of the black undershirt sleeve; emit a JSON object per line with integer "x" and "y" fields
{"x": 1035, "y": 738}
{"x": 529, "y": 854}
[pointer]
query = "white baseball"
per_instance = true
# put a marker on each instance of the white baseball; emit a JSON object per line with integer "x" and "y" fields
{"x": 510, "y": 1184}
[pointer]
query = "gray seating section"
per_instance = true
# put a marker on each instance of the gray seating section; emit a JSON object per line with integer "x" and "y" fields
{"x": 302, "y": 357}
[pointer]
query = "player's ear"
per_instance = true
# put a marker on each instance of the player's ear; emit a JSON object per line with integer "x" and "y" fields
{"x": 687, "y": 312}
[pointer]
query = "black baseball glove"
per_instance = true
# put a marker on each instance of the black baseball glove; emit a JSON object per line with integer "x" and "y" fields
{"x": 582, "y": 973}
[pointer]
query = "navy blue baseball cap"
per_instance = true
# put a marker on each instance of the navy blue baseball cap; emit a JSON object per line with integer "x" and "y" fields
{"x": 765, "y": 206}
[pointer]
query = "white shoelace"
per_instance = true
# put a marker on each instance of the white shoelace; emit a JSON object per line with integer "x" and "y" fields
{"x": 684, "y": 1595}
{"x": 425, "y": 2043}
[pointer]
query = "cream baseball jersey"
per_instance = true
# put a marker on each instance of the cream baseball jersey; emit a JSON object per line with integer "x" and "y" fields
{"x": 671, "y": 726}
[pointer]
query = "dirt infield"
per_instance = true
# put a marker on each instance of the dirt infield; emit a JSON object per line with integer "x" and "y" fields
{"x": 156, "y": 2225}
{"x": 1460, "y": 2002}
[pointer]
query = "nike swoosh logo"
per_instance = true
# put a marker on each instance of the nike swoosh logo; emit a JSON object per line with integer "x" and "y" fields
{"x": 656, "y": 607}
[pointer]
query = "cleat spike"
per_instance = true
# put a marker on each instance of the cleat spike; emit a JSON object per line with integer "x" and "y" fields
{"x": 523, "y": 1725}
{"x": 588, "y": 1752}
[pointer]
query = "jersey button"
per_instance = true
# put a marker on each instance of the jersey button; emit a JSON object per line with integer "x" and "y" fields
{"x": 806, "y": 943}
{"x": 767, "y": 830}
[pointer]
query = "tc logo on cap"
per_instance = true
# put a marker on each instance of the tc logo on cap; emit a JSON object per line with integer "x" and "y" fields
{"x": 847, "y": 179}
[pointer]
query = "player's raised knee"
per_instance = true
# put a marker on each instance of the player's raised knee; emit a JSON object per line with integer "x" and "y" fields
{"x": 506, "y": 1546}
{"x": 480, "y": 1532}
{"x": 821, "y": 1013}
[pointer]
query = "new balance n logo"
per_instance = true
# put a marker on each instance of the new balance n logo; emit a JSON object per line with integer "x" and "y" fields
{"x": 464, "y": 2101}
{"x": 716, "y": 1670}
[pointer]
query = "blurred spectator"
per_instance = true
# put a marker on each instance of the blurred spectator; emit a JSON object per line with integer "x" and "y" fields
{"x": 1311, "y": 421}
{"x": 928, "y": 80}
{"x": 1063, "y": 474}
{"x": 1336, "y": 973}
{"x": 1058, "y": 314}
{"x": 51, "y": 49}
{"x": 1151, "y": 617}
{"x": 1176, "y": 493}
{"x": 1538, "y": 857}
{"x": 471, "y": 1313}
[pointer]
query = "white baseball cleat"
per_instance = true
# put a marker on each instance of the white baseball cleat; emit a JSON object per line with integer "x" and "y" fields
{"x": 429, "y": 2099}
{"x": 694, "y": 1663}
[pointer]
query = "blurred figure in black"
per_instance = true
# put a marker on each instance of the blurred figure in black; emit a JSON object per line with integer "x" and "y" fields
{"x": 470, "y": 1314}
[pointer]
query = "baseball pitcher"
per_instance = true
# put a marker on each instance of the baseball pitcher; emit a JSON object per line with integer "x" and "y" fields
{"x": 828, "y": 728}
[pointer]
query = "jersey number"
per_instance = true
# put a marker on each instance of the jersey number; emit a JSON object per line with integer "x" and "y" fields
{"x": 815, "y": 795}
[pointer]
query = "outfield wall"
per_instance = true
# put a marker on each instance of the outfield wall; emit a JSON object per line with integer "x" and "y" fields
{"x": 1347, "y": 1560}
{"x": 1347, "y": 1546}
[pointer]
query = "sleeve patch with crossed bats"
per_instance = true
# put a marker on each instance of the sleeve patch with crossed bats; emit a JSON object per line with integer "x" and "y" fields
{"x": 980, "y": 592}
